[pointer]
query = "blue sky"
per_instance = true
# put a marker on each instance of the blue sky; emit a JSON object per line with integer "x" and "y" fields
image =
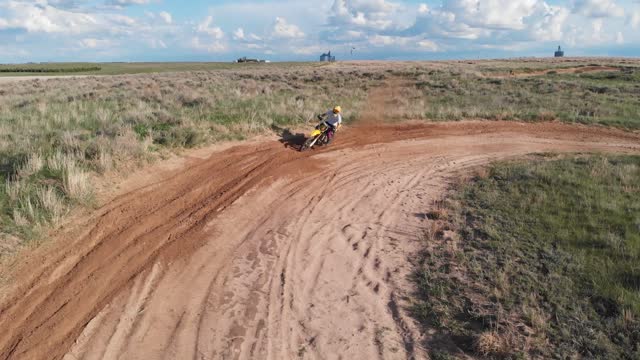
{"x": 167, "y": 30}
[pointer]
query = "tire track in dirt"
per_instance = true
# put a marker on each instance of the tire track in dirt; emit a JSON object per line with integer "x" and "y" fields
{"x": 263, "y": 252}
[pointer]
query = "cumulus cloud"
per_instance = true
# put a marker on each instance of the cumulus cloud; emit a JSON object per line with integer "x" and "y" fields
{"x": 41, "y": 17}
{"x": 547, "y": 22}
{"x": 491, "y": 21}
{"x": 496, "y": 14}
{"x": 206, "y": 27}
{"x": 166, "y": 17}
{"x": 34, "y": 17}
{"x": 444, "y": 24}
{"x": 208, "y": 37}
{"x": 598, "y": 8}
{"x": 374, "y": 27}
{"x": 239, "y": 34}
{"x": 593, "y": 33}
{"x": 371, "y": 23}
{"x": 428, "y": 45}
{"x": 282, "y": 29}
{"x": 375, "y": 14}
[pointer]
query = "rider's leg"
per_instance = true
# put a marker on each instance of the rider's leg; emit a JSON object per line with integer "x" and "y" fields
{"x": 330, "y": 134}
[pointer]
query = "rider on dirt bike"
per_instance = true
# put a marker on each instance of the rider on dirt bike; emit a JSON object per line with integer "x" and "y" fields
{"x": 333, "y": 119}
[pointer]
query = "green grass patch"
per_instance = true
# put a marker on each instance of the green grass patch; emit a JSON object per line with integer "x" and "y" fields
{"x": 547, "y": 261}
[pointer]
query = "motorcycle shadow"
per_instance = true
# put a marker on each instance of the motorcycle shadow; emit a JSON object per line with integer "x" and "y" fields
{"x": 289, "y": 139}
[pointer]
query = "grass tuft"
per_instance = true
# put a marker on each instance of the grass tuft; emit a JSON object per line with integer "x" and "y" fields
{"x": 51, "y": 203}
{"x": 76, "y": 183}
{"x": 489, "y": 343}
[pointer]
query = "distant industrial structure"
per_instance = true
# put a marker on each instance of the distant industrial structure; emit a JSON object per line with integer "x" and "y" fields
{"x": 559, "y": 53}
{"x": 327, "y": 57}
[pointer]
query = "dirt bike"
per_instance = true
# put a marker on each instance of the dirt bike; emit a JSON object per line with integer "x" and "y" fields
{"x": 319, "y": 136}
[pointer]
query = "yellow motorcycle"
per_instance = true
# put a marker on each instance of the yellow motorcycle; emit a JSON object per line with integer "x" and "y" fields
{"x": 319, "y": 136}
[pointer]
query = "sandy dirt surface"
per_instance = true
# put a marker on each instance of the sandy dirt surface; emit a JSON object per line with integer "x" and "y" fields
{"x": 262, "y": 252}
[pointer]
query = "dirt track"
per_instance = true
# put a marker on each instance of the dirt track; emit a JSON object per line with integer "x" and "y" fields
{"x": 572, "y": 70}
{"x": 263, "y": 252}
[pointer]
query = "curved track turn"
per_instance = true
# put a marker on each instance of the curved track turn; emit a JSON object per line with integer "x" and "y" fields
{"x": 263, "y": 252}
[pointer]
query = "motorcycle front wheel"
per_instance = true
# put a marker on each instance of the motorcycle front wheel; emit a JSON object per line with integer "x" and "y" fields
{"x": 309, "y": 143}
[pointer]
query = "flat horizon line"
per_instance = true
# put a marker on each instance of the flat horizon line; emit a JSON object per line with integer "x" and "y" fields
{"x": 337, "y": 61}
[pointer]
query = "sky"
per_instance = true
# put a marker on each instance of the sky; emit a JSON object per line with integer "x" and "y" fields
{"x": 277, "y": 30}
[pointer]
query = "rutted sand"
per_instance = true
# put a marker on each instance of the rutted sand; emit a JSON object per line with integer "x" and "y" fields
{"x": 263, "y": 252}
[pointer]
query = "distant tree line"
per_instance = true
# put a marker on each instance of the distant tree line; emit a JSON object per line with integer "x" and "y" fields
{"x": 50, "y": 70}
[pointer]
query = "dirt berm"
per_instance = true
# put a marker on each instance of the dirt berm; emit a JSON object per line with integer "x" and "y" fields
{"x": 262, "y": 252}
